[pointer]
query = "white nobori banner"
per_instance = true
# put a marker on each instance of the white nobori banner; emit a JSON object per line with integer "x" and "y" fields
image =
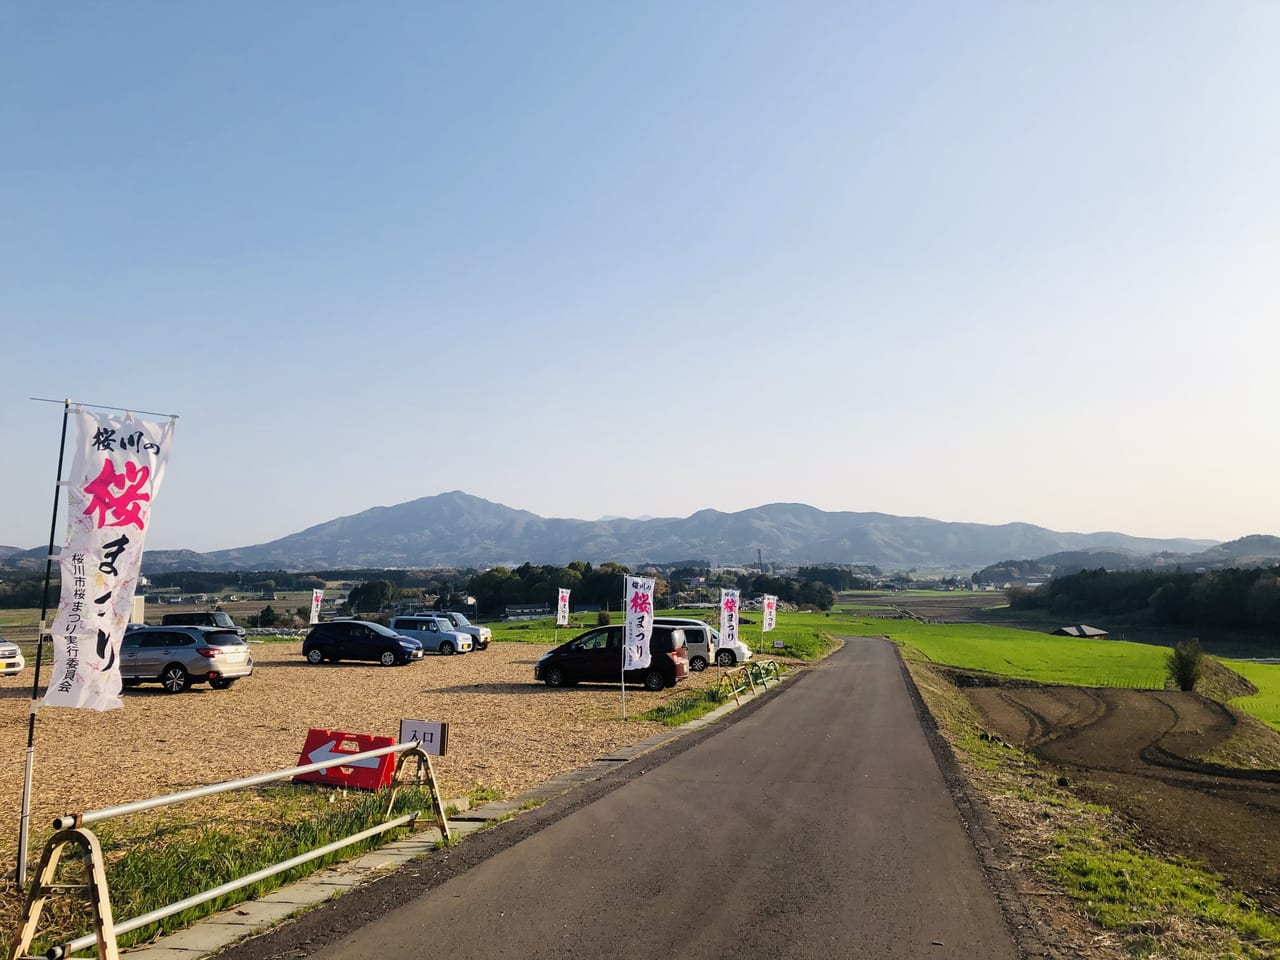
{"x": 639, "y": 607}
{"x": 729, "y": 618}
{"x": 562, "y": 608}
{"x": 116, "y": 471}
{"x": 770, "y": 607}
{"x": 317, "y": 598}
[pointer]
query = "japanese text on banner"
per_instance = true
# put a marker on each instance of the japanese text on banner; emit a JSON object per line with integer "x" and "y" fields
{"x": 729, "y": 617}
{"x": 639, "y": 609}
{"x": 562, "y": 608}
{"x": 115, "y": 474}
{"x": 770, "y": 613}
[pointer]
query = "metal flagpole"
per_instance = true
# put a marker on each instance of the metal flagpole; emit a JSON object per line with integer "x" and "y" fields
{"x": 622, "y": 676}
{"x": 24, "y": 821}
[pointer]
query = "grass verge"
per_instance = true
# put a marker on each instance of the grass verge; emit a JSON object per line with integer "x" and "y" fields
{"x": 157, "y": 859}
{"x": 687, "y": 706}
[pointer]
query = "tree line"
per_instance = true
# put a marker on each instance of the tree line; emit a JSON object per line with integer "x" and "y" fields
{"x": 1231, "y": 599}
{"x": 493, "y": 590}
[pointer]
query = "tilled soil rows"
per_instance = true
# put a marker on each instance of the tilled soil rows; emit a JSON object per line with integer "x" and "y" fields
{"x": 1136, "y": 751}
{"x": 506, "y": 733}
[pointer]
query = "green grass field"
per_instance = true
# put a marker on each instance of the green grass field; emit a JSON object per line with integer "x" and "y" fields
{"x": 1265, "y": 704}
{"x": 1023, "y": 654}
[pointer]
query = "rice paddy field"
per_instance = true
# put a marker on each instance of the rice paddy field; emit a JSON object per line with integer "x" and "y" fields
{"x": 1028, "y": 655}
{"x": 1265, "y": 704}
{"x": 1041, "y": 657}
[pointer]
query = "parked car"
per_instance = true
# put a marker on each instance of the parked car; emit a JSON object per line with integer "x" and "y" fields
{"x": 480, "y": 636}
{"x": 726, "y": 654}
{"x": 201, "y": 618}
{"x": 700, "y": 639}
{"x": 11, "y": 660}
{"x": 178, "y": 656}
{"x": 434, "y": 632}
{"x": 596, "y": 656}
{"x": 336, "y": 640}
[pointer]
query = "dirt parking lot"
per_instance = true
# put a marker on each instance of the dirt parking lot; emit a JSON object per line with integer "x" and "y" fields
{"x": 505, "y": 732}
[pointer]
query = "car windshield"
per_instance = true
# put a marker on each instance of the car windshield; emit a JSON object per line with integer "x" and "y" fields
{"x": 223, "y": 620}
{"x": 382, "y": 631}
{"x": 460, "y": 620}
{"x": 223, "y": 638}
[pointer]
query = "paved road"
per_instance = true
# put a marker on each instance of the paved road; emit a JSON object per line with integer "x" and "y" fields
{"x": 818, "y": 826}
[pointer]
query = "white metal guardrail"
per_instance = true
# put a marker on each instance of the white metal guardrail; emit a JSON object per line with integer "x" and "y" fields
{"x": 71, "y": 831}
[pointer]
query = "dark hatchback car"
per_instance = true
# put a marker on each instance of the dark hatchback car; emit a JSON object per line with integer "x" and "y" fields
{"x": 596, "y": 657}
{"x": 336, "y": 640}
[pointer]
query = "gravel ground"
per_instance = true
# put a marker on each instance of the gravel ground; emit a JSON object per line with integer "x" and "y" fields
{"x": 506, "y": 733}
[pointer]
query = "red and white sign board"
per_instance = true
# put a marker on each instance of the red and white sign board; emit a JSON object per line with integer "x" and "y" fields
{"x": 371, "y": 773}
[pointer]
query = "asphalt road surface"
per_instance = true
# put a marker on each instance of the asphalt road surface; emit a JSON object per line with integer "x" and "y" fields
{"x": 816, "y": 826}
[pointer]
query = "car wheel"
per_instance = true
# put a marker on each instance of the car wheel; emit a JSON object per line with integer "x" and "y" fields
{"x": 446, "y": 648}
{"x": 222, "y": 684}
{"x": 654, "y": 680}
{"x": 175, "y": 678}
{"x": 388, "y": 658}
{"x": 698, "y": 664}
{"x": 315, "y": 655}
{"x": 555, "y": 677}
{"x": 726, "y": 658}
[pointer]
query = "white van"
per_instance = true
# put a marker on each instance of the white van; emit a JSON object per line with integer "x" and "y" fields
{"x": 705, "y": 646}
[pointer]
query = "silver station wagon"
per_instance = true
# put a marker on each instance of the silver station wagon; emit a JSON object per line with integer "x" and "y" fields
{"x": 176, "y": 657}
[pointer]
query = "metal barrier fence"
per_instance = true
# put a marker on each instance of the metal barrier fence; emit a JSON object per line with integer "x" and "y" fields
{"x": 736, "y": 682}
{"x": 71, "y": 832}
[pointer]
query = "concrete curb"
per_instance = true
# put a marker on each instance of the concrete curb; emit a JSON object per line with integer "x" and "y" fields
{"x": 220, "y": 930}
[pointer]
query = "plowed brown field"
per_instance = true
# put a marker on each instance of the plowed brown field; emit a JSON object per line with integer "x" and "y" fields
{"x": 1136, "y": 752}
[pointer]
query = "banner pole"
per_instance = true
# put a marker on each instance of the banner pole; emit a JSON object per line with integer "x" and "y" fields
{"x": 622, "y": 675}
{"x": 24, "y": 820}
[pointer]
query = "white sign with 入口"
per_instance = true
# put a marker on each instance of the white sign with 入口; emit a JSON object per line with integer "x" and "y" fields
{"x": 432, "y": 737}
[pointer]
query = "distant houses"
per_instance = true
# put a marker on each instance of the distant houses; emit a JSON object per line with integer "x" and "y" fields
{"x": 1080, "y": 630}
{"x": 528, "y": 611}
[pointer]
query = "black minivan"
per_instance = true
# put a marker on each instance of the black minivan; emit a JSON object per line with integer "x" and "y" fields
{"x": 202, "y": 618}
{"x": 596, "y": 657}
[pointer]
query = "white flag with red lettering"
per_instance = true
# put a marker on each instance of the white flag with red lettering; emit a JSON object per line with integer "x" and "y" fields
{"x": 770, "y": 613}
{"x": 562, "y": 608}
{"x": 115, "y": 474}
{"x": 639, "y": 608}
{"x": 729, "y": 618}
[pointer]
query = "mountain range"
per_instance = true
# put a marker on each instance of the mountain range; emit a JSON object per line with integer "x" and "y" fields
{"x": 459, "y": 530}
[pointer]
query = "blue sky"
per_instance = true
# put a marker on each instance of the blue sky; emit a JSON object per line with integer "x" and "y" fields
{"x": 984, "y": 262}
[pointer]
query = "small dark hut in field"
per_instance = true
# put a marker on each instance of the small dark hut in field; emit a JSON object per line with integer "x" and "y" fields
{"x": 1079, "y": 630}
